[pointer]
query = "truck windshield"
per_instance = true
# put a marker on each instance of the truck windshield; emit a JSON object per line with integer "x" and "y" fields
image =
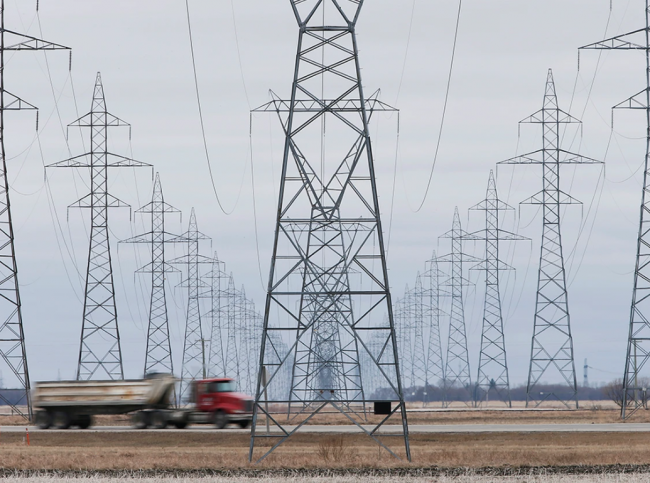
{"x": 227, "y": 386}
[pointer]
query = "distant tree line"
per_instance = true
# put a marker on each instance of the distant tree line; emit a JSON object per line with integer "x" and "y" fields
{"x": 610, "y": 391}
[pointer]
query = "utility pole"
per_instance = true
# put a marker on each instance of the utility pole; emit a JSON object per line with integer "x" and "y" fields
{"x": 328, "y": 290}
{"x": 638, "y": 344}
{"x": 158, "y": 356}
{"x": 552, "y": 343}
{"x": 493, "y": 363}
{"x": 100, "y": 353}
{"x": 457, "y": 372}
{"x": 585, "y": 375}
{"x": 13, "y": 355}
{"x": 194, "y": 344}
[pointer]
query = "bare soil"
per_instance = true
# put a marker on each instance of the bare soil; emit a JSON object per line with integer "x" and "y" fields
{"x": 218, "y": 450}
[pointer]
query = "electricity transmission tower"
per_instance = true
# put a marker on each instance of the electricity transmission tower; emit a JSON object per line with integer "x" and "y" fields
{"x": 638, "y": 345}
{"x": 492, "y": 363}
{"x": 457, "y": 372}
{"x": 328, "y": 291}
{"x": 12, "y": 336}
{"x": 158, "y": 356}
{"x": 435, "y": 368}
{"x": 218, "y": 279}
{"x": 194, "y": 363}
{"x": 552, "y": 344}
{"x": 100, "y": 354}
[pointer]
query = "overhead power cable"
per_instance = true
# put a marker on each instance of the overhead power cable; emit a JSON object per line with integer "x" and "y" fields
{"x": 444, "y": 108}
{"x": 198, "y": 101}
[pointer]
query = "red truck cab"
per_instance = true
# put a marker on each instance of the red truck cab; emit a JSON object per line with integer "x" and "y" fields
{"x": 220, "y": 402}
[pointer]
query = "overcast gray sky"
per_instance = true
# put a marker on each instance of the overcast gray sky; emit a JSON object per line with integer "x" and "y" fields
{"x": 504, "y": 50}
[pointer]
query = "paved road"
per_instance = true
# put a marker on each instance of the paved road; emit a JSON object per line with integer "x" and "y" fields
{"x": 414, "y": 428}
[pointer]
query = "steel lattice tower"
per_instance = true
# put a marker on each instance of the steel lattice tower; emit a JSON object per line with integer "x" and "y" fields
{"x": 638, "y": 346}
{"x": 552, "y": 344}
{"x": 404, "y": 332}
{"x": 328, "y": 289}
{"x": 435, "y": 368}
{"x": 217, "y": 279}
{"x": 194, "y": 363}
{"x": 493, "y": 363}
{"x": 100, "y": 353}
{"x": 419, "y": 369}
{"x": 12, "y": 337}
{"x": 457, "y": 370}
{"x": 158, "y": 356}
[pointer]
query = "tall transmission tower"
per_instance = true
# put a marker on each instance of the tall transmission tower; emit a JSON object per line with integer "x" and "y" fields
{"x": 638, "y": 345}
{"x": 13, "y": 356}
{"x": 492, "y": 363}
{"x": 457, "y": 371}
{"x": 404, "y": 334}
{"x": 158, "y": 356}
{"x": 194, "y": 360}
{"x": 552, "y": 343}
{"x": 218, "y": 280}
{"x": 100, "y": 353}
{"x": 435, "y": 367}
{"x": 328, "y": 289}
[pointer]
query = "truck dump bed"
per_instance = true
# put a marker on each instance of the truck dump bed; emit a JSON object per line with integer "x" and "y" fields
{"x": 103, "y": 397}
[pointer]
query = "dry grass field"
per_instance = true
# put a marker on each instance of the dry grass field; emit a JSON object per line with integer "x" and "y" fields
{"x": 606, "y": 478}
{"x": 218, "y": 450}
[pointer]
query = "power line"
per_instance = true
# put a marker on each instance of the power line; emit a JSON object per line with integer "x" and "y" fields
{"x": 444, "y": 109}
{"x": 200, "y": 108}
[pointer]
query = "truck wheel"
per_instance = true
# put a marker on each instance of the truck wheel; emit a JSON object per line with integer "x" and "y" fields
{"x": 43, "y": 419}
{"x": 140, "y": 420}
{"x": 61, "y": 420}
{"x": 84, "y": 421}
{"x": 158, "y": 420}
{"x": 220, "y": 419}
{"x": 243, "y": 424}
{"x": 180, "y": 424}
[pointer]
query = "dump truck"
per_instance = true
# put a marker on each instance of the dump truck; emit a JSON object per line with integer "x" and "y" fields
{"x": 63, "y": 404}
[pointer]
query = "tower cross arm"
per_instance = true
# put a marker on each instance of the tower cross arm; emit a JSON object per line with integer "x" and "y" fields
{"x": 187, "y": 237}
{"x": 151, "y": 268}
{"x": 498, "y": 264}
{"x": 537, "y": 157}
{"x": 486, "y": 205}
{"x": 562, "y": 117}
{"x": 85, "y": 161}
{"x": 157, "y": 207}
{"x": 90, "y": 120}
{"x": 501, "y": 235}
{"x": 278, "y": 105}
{"x": 629, "y": 41}
{"x": 15, "y": 103}
{"x": 27, "y": 42}
{"x": 637, "y": 101}
{"x": 111, "y": 202}
{"x": 539, "y": 198}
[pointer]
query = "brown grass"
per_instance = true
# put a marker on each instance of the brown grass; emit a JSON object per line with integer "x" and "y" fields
{"x": 218, "y": 450}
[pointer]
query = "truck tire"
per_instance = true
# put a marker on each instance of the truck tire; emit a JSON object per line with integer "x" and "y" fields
{"x": 243, "y": 424}
{"x": 84, "y": 421}
{"x": 43, "y": 419}
{"x": 61, "y": 420}
{"x": 158, "y": 420}
{"x": 140, "y": 420}
{"x": 180, "y": 424}
{"x": 220, "y": 419}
